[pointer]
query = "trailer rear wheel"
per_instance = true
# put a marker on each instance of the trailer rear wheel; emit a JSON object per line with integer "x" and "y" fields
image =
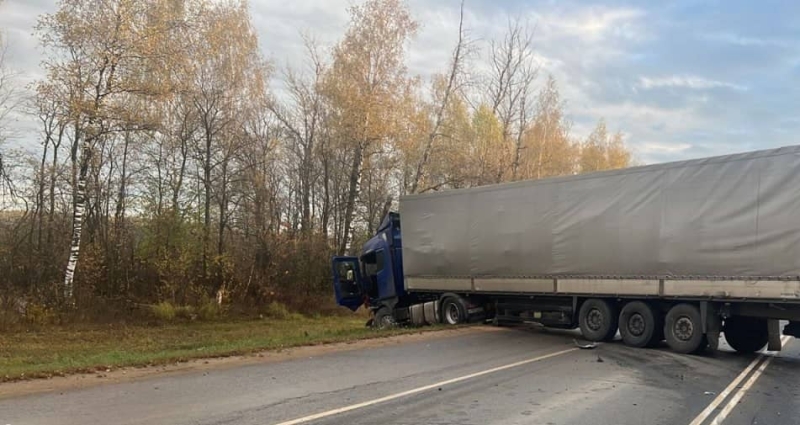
{"x": 453, "y": 311}
{"x": 598, "y": 320}
{"x": 640, "y": 325}
{"x": 683, "y": 329}
{"x": 746, "y": 334}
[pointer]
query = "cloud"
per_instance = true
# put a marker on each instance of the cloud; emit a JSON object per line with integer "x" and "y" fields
{"x": 671, "y": 148}
{"x": 596, "y": 23}
{"x": 747, "y": 41}
{"x": 686, "y": 81}
{"x": 280, "y": 29}
{"x": 17, "y": 21}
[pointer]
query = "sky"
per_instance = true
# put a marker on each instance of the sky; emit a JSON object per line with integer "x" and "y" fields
{"x": 681, "y": 79}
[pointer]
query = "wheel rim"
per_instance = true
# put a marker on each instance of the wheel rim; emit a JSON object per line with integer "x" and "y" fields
{"x": 386, "y": 321}
{"x": 636, "y": 324}
{"x": 683, "y": 328}
{"x": 594, "y": 320}
{"x": 451, "y": 314}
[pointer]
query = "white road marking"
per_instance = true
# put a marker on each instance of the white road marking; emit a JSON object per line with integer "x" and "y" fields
{"x": 742, "y": 391}
{"x": 732, "y": 387}
{"x": 421, "y": 389}
{"x": 724, "y": 394}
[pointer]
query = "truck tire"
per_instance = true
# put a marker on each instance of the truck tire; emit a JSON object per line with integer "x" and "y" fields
{"x": 746, "y": 334}
{"x": 453, "y": 311}
{"x": 598, "y": 320}
{"x": 383, "y": 319}
{"x": 683, "y": 329}
{"x": 640, "y": 325}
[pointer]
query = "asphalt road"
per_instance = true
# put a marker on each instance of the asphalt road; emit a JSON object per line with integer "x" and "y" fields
{"x": 489, "y": 376}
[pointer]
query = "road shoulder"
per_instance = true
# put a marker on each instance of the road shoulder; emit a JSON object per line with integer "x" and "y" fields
{"x": 86, "y": 380}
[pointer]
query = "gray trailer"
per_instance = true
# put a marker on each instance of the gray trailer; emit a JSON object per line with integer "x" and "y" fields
{"x": 679, "y": 251}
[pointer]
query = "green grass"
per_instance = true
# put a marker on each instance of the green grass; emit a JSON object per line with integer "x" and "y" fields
{"x": 65, "y": 350}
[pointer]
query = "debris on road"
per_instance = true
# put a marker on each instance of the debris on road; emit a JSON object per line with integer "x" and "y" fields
{"x": 588, "y": 346}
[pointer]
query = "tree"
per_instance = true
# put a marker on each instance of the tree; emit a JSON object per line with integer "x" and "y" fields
{"x": 228, "y": 77}
{"x": 10, "y": 97}
{"x": 512, "y": 73}
{"x": 618, "y": 154}
{"x": 444, "y": 88}
{"x": 8, "y": 93}
{"x": 169, "y": 166}
{"x": 365, "y": 84}
{"x": 102, "y": 52}
{"x": 593, "y": 150}
{"x": 547, "y": 149}
{"x": 53, "y": 126}
{"x": 603, "y": 152}
{"x": 488, "y": 150}
{"x": 453, "y": 156}
{"x": 302, "y": 119}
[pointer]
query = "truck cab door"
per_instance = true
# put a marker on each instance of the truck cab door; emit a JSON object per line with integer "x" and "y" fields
{"x": 347, "y": 282}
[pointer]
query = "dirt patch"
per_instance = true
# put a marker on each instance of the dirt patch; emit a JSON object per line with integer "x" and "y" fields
{"x": 85, "y": 380}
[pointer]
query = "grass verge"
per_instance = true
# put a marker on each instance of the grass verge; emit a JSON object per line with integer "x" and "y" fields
{"x": 64, "y": 350}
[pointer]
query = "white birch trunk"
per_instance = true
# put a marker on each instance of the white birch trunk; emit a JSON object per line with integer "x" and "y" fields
{"x": 77, "y": 224}
{"x": 75, "y": 246}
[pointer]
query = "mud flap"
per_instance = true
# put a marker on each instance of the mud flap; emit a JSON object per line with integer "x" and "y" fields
{"x": 774, "y": 332}
{"x": 712, "y": 324}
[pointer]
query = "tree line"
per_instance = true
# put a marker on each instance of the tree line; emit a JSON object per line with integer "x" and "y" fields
{"x": 168, "y": 170}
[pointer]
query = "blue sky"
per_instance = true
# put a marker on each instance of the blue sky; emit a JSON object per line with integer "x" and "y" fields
{"x": 680, "y": 79}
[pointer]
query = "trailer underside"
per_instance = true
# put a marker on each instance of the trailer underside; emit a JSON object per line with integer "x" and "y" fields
{"x": 690, "y": 313}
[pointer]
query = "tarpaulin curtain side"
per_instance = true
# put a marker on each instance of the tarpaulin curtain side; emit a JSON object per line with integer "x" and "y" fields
{"x": 732, "y": 216}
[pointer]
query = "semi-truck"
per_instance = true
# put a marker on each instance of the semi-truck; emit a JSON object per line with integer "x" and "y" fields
{"x": 684, "y": 252}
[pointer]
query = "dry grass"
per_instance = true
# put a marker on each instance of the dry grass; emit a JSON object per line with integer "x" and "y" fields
{"x": 84, "y": 348}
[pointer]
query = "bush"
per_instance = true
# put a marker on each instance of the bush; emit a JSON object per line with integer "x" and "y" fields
{"x": 167, "y": 312}
{"x": 164, "y": 311}
{"x": 185, "y": 312}
{"x": 37, "y": 314}
{"x": 276, "y": 310}
{"x": 209, "y": 311}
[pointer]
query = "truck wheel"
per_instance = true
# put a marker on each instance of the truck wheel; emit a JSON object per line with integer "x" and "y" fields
{"x": 383, "y": 319}
{"x": 640, "y": 324}
{"x": 598, "y": 320}
{"x": 746, "y": 334}
{"x": 683, "y": 329}
{"x": 453, "y": 311}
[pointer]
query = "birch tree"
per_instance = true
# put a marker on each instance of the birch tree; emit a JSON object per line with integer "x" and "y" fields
{"x": 546, "y": 146}
{"x": 364, "y": 86}
{"x": 619, "y": 156}
{"x": 601, "y": 151}
{"x": 593, "y": 150}
{"x": 98, "y": 50}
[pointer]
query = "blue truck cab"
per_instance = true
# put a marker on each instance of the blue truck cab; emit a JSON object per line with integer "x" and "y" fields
{"x": 374, "y": 278}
